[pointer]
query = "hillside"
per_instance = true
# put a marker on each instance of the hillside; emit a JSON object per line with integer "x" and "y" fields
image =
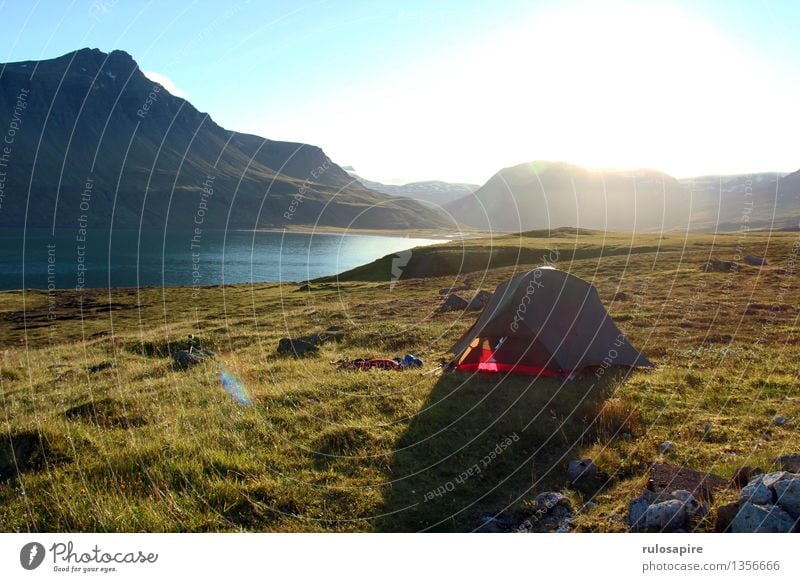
{"x": 95, "y": 138}
{"x": 542, "y": 195}
{"x": 108, "y": 436}
{"x": 546, "y": 195}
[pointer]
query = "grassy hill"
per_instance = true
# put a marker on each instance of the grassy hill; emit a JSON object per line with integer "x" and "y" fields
{"x": 101, "y": 433}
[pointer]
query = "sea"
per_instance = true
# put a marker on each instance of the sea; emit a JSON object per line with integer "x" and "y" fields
{"x": 75, "y": 259}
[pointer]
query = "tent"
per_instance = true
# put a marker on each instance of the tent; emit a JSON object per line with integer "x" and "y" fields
{"x": 544, "y": 322}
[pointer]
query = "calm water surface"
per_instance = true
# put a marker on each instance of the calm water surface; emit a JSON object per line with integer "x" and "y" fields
{"x": 69, "y": 259}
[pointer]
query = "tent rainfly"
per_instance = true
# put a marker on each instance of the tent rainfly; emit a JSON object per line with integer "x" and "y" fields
{"x": 545, "y": 322}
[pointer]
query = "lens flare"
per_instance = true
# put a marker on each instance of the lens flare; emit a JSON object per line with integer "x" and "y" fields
{"x": 233, "y": 386}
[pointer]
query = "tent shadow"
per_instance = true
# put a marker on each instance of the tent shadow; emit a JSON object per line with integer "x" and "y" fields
{"x": 472, "y": 448}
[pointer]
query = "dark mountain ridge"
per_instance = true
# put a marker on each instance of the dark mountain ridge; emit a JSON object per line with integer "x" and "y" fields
{"x": 154, "y": 160}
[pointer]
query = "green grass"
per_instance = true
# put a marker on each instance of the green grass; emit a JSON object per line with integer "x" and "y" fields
{"x": 101, "y": 433}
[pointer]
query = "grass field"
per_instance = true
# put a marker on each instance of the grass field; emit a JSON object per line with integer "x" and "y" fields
{"x": 100, "y": 433}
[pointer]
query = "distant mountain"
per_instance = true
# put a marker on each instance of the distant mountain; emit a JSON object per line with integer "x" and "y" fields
{"x": 762, "y": 200}
{"x": 95, "y": 139}
{"x": 541, "y": 195}
{"x": 433, "y": 192}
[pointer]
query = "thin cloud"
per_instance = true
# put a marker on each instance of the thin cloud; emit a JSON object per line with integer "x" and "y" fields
{"x": 167, "y": 83}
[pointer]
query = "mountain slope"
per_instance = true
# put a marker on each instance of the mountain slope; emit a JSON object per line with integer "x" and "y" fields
{"x": 541, "y": 195}
{"x": 96, "y": 139}
{"x": 546, "y": 195}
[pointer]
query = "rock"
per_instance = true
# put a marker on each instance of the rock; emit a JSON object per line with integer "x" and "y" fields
{"x": 554, "y": 513}
{"x": 297, "y": 348}
{"x": 753, "y": 518}
{"x": 583, "y": 469}
{"x": 626, "y": 436}
{"x": 667, "y": 515}
{"x": 187, "y": 358}
{"x": 480, "y": 300}
{"x": 691, "y": 504}
{"x": 665, "y": 477}
{"x": 779, "y": 421}
{"x": 550, "y": 499}
{"x": 636, "y": 510}
{"x": 756, "y": 492}
{"x": 716, "y": 265}
{"x": 452, "y": 303}
{"x": 666, "y": 447}
{"x": 743, "y": 475}
{"x": 755, "y": 261}
{"x": 619, "y": 296}
{"x": 788, "y": 463}
{"x": 725, "y": 515}
{"x": 788, "y": 496}
{"x": 770, "y": 479}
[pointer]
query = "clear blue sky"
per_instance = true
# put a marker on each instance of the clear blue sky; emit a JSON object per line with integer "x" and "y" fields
{"x": 457, "y": 89}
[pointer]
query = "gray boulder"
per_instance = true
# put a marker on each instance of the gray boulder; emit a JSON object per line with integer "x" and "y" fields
{"x": 761, "y": 519}
{"x": 691, "y": 504}
{"x": 452, "y": 303}
{"x": 666, "y": 515}
{"x": 582, "y": 469}
{"x": 770, "y": 479}
{"x": 755, "y": 261}
{"x": 666, "y": 447}
{"x": 185, "y": 359}
{"x": 297, "y": 348}
{"x": 756, "y": 491}
{"x": 788, "y": 493}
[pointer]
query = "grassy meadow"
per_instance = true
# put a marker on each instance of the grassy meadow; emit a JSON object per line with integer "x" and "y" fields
{"x": 101, "y": 433}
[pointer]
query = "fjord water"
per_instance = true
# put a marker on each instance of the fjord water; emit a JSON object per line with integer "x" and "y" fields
{"x": 127, "y": 258}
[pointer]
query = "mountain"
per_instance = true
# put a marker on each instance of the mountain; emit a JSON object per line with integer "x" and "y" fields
{"x": 433, "y": 192}
{"x": 542, "y": 195}
{"x": 546, "y": 195}
{"x": 762, "y": 200}
{"x": 95, "y": 140}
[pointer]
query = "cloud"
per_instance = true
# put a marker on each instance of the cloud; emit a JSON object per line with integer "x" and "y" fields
{"x": 167, "y": 83}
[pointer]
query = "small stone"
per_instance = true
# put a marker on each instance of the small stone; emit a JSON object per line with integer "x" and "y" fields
{"x": 550, "y": 499}
{"x": 780, "y": 421}
{"x": 753, "y": 518}
{"x": 626, "y": 436}
{"x": 185, "y": 359}
{"x": 583, "y": 469}
{"x": 692, "y": 506}
{"x": 666, "y": 447}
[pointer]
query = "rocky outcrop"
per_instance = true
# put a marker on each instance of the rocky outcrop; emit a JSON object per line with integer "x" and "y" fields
{"x": 769, "y": 503}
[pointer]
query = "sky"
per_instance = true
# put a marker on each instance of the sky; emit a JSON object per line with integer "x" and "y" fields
{"x": 456, "y": 90}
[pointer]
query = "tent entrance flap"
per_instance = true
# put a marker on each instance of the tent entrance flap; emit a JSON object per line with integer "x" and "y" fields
{"x": 508, "y": 354}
